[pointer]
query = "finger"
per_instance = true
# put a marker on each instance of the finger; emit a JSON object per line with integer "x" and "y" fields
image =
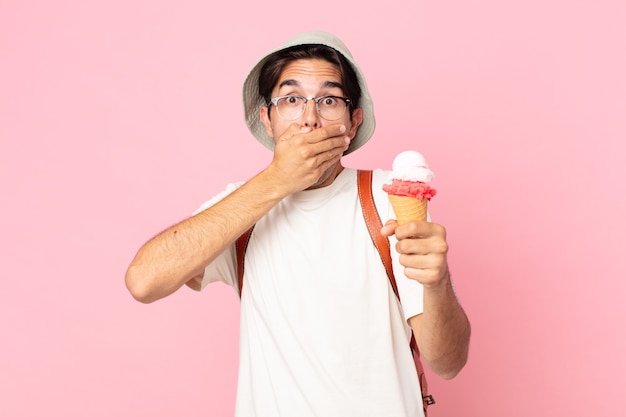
{"x": 326, "y": 159}
{"x": 333, "y": 147}
{"x": 422, "y": 260}
{"x": 426, "y": 276}
{"x": 326, "y": 132}
{"x": 294, "y": 129}
{"x": 389, "y": 228}
{"x": 420, "y": 229}
{"x": 433, "y": 245}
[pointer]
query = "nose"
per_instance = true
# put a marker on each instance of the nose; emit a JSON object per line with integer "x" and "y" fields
{"x": 310, "y": 118}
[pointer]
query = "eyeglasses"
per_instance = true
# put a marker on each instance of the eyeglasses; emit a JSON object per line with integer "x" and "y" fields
{"x": 328, "y": 107}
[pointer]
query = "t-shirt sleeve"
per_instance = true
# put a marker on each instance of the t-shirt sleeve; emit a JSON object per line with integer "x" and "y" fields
{"x": 411, "y": 292}
{"x": 224, "y": 267}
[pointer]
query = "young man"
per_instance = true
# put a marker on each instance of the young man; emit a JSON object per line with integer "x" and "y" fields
{"x": 322, "y": 332}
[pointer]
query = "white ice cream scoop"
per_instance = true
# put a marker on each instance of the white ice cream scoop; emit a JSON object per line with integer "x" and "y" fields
{"x": 411, "y": 166}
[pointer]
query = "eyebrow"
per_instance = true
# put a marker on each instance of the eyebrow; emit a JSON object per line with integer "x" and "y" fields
{"x": 325, "y": 84}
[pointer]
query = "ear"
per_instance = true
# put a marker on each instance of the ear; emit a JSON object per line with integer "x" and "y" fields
{"x": 265, "y": 119}
{"x": 357, "y": 119}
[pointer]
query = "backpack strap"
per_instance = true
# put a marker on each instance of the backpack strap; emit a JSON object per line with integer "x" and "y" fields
{"x": 374, "y": 224}
{"x": 240, "y": 247}
{"x": 372, "y": 219}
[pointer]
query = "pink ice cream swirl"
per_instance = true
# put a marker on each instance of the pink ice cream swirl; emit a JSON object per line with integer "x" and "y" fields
{"x": 416, "y": 189}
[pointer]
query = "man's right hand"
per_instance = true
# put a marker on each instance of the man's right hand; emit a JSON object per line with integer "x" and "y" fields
{"x": 303, "y": 155}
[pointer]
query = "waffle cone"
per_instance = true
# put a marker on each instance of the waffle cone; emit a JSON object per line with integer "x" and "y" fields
{"x": 408, "y": 208}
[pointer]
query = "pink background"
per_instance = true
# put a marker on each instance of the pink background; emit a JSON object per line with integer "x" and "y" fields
{"x": 119, "y": 118}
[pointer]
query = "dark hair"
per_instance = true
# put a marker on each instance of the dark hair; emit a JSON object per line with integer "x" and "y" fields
{"x": 270, "y": 72}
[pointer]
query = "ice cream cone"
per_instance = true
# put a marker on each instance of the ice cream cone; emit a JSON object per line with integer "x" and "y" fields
{"x": 408, "y": 208}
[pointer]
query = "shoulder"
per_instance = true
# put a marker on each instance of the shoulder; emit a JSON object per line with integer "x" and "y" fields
{"x": 379, "y": 177}
{"x": 218, "y": 197}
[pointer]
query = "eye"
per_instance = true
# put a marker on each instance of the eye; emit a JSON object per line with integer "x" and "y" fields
{"x": 291, "y": 100}
{"x": 329, "y": 101}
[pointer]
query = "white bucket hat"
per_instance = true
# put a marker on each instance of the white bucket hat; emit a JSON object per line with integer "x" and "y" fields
{"x": 252, "y": 100}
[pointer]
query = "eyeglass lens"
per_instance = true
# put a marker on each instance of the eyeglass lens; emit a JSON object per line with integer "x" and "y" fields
{"x": 292, "y": 107}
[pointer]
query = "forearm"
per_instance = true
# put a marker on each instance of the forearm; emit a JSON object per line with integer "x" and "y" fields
{"x": 182, "y": 252}
{"x": 443, "y": 330}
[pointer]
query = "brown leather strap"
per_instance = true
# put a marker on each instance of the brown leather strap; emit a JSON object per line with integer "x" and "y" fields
{"x": 240, "y": 246}
{"x": 374, "y": 224}
{"x": 372, "y": 219}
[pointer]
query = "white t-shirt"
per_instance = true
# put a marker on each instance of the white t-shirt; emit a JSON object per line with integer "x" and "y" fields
{"x": 322, "y": 332}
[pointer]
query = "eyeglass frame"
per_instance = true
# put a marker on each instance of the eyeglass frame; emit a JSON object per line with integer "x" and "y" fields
{"x": 316, "y": 100}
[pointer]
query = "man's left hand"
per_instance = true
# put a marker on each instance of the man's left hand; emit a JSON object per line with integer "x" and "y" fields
{"x": 423, "y": 250}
